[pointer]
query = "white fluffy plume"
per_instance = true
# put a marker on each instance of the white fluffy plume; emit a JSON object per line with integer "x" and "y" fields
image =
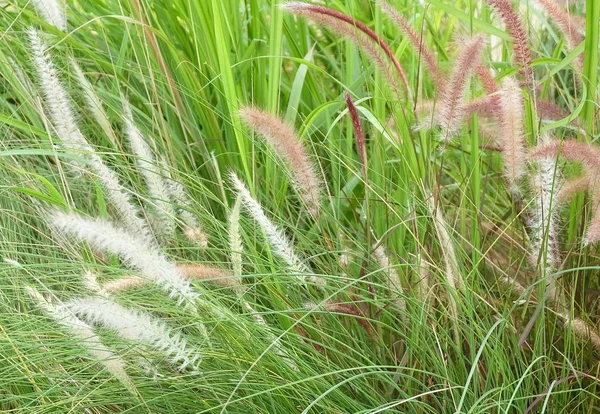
{"x": 65, "y": 125}
{"x": 147, "y": 165}
{"x": 57, "y": 100}
{"x": 84, "y": 332}
{"x": 135, "y": 326}
{"x": 52, "y": 11}
{"x": 543, "y": 221}
{"x": 94, "y": 104}
{"x": 102, "y": 235}
{"x": 281, "y": 245}
{"x": 235, "y": 238}
{"x": 392, "y": 278}
{"x": 191, "y": 226}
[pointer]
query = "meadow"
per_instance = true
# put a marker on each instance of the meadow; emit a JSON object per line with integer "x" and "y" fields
{"x": 261, "y": 206}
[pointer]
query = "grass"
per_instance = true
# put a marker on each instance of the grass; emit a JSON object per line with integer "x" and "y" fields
{"x": 437, "y": 208}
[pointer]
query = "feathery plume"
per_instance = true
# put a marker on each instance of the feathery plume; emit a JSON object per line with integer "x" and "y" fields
{"x": 94, "y": 104}
{"x": 57, "y": 100}
{"x": 449, "y": 256}
{"x": 193, "y": 271}
{"x": 392, "y": 278}
{"x": 283, "y": 139}
{"x": 568, "y": 25}
{"x": 281, "y": 245}
{"x": 63, "y": 120}
{"x": 547, "y": 110}
{"x": 236, "y": 248}
{"x": 358, "y": 134}
{"x": 188, "y": 270}
{"x": 513, "y": 137}
{"x": 487, "y": 80}
{"x": 448, "y": 252}
{"x": 450, "y": 111}
{"x": 544, "y": 220}
{"x": 424, "y": 289}
{"x": 417, "y": 43}
{"x": 120, "y": 199}
{"x": 165, "y": 214}
{"x": 348, "y": 27}
{"x": 581, "y": 329}
{"x": 136, "y": 326}
{"x": 102, "y": 235}
{"x": 191, "y": 226}
{"x": 235, "y": 238}
{"x": 89, "y": 340}
{"x": 53, "y": 12}
{"x": 589, "y": 156}
{"x": 593, "y": 231}
{"x": 489, "y": 85}
{"x": 487, "y": 107}
{"x": 90, "y": 281}
{"x": 571, "y": 187}
{"x": 119, "y": 285}
{"x": 522, "y": 53}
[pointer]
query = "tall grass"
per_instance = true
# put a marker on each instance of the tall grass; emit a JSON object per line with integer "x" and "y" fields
{"x": 356, "y": 263}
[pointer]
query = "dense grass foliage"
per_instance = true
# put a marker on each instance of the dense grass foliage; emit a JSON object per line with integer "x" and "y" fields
{"x": 234, "y": 206}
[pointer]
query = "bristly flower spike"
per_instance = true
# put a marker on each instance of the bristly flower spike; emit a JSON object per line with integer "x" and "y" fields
{"x": 136, "y": 326}
{"x": 85, "y": 333}
{"x": 154, "y": 266}
{"x": 164, "y": 222}
{"x": 417, "y": 43}
{"x": 522, "y": 53}
{"x": 316, "y": 13}
{"x": 285, "y": 142}
{"x": 589, "y": 156}
{"x": 358, "y": 134}
{"x": 53, "y": 12}
{"x": 513, "y": 135}
{"x": 450, "y": 111}
{"x": 281, "y": 245}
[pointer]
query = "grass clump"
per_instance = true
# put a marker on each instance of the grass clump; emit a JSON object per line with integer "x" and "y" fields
{"x": 437, "y": 253}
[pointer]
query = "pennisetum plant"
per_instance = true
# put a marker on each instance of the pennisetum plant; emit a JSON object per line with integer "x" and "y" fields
{"x": 533, "y": 178}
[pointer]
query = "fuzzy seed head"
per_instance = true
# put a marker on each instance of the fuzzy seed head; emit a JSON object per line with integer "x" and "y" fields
{"x": 513, "y": 135}
{"x": 283, "y": 139}
{"x": 53, "y": 12}
{"x": 136, "y": 326}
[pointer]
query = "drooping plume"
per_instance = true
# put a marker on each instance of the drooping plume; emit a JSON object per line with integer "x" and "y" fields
{"x": 353, "y": 29}
{"x": 569, "y": 25}
{"x": 281, "y": 245}
{"x": 343, "y": 309}
{"x": 589, "y": 156}
{"x": 522, "y": 53}
{"x": 392, "y": 278}
{"x": 359, "y": 135}
{"x": 450, "y": 110}
{"x": 136, "y": 326}
{"x": 235, "y": 238}
{"x": 103, "y": 236}
{"x": 57, "y": 100}
{"x": 543, "y": 222}
{"x": 512, "y": 133}
{"x": 192, "y": 228}
{"x": 283, "y": 139}
{"x": 417, "y": 43}
{"x": 94, "y": 104}
{"x": 147, "y": 165}
{"x": 53, "y": 12}
{"x": 89, "y": 340}
{"x": 65, "y": 125}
